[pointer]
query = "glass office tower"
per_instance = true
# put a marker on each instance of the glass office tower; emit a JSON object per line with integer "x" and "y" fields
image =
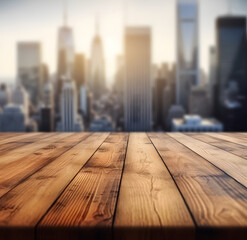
{"x": 187, "y": 49}
{"x": 231, "y": 87}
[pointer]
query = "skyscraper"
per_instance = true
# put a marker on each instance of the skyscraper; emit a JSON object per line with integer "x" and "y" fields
{"x": 13, "y": 119}
{"x": 66, "y": 50}
{"x": 47, "y": 110}
{"x": 187, "y": 49}
{"x": 29, "y": 70}
{"x": 20, "y": 98}
{"x": 138, "y": 91}
{"x": 5, "y": 95}
{"x": 212, "y": 78}
{"x": 66, "y": 53}
{"x": 97, "y": 66}
{"x": 70, "y": 120}
{"x": 80, "y": 70}
{"x": 231, "y": 87}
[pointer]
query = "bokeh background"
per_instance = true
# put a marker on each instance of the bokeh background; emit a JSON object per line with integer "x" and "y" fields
{"x": 121, "y": 65}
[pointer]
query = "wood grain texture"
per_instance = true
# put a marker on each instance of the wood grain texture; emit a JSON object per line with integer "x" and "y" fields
{"x": 88, "y": 203}
{"x": 10, "y": 142}
{"x": 217, "y": 202}
{"x": 24, "y": 151}
{"x": 4, "y": 136}
{"x": 150, "y": 205}
{"x": 233, "y": 148}
{"x": 27, "y": 137}
{"x": 24, "y": 206}
{"x": 231, "y": 164}
{"x": 71, "y": 186}
{"x": 231, "y": 138}
{"x": 13, "y": 173}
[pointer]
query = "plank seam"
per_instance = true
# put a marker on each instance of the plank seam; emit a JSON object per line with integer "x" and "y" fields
{"x": 24, "y": 179}
{"x": 36, "y": 226}
{"x": 220, "y": 139}
{"x": 115, "y": 210}
{"x": 211, "y": 162}
{"x": 217, "y": 146}
{"x": 185, "y": 202}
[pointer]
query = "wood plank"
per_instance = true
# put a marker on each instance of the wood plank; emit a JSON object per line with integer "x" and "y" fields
{"x": 24, "y": 137}
{"x": 231, "y": 164}
{"x": 217, "y": 202}
{"x": 233, "y": 148}
{"x": 16, "y": 154}
{"x": 17, "y": 171}
{"x": 13, "y": 143}
{"x": 149, "y": 205}
{"x": 235, "y": 134}
{"x": 88, "y": 203}
{"x": 9, "y": 135}
{"x": 231, "y": 138}
{"x": 22, "y": 207}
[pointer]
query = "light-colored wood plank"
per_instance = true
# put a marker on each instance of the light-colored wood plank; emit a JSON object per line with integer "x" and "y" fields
{"x": 217, "y": 202}
{"x": 4, "y": 136}
{"x": 233, "y": 148}
{"x": 24, "y": 151}
{"x": 88, "y": 203}
{"x": 12, "y": 143}
{"x": 149, "y": 205}
{"x": 17, "y": 171}
{"x": 231, "y": 164}
{"x": 22, "y": 207}
{"x": 24, "y": 137}
{"x": 230, "y": 138}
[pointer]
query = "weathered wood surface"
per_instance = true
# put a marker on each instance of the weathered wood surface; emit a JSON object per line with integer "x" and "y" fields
{"x": 123, "y": 186}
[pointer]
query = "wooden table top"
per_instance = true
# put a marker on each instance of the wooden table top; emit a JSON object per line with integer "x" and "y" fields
{"x": 123, "y": 186}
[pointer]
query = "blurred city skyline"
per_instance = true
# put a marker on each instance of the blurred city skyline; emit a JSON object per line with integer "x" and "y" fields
{"x": 26, "y": 20}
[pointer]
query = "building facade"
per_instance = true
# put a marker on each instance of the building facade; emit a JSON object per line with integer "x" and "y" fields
{"x": 231, "y": 86}
{"x": 29, "y": 69}
{"x": 188, "y": 73}
{"x": 97, "y": 67}
{"x": 70, "y": 120}
{"x": 138, "y": 91}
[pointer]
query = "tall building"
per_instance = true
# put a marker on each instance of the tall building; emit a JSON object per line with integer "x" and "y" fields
{"x": 21, "y": 98}
{"x": 97, "y": 66}
{"x": 66, "y": 52}
{"x": 167, "y": 103}
{"x": 80, "y": 70}
{"x": 119, "y": 78}
{"x": 84, "y": 107}
{"x": 160, "y": 86}
{"x": 199, "y": 101}
{"x": 231, "y": 87}
{"x": 48, "y": 98}
{"x": 66, "y": 55}
{"x": 47, "y": 110}
{"x": 212, "y": 78}
{"x": 138, "y": 91}
{"x": 29, "y": 70}
{"x": 188, "y": 73}
{"x": 13, "y": 119}
{"x": 70, "y": 120}
{"x": 5, "y": 95}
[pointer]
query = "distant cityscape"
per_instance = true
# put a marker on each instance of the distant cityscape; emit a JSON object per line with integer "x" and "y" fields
{"x": 144, "y": 96}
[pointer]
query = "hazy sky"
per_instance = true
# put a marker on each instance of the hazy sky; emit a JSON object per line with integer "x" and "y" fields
{"x": 38, "y": 20}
